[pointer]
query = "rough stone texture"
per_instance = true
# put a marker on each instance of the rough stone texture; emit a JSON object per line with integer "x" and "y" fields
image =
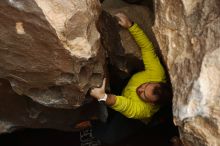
{"x": 18, "y": 112}
{"x": 188, "y": 32}
{"x": 50, "y": 50}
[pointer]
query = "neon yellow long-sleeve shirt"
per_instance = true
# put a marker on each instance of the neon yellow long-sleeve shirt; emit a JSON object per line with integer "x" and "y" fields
{"x": 129, "y": 103}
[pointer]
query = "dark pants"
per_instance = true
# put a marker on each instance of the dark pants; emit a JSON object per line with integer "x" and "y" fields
{"x": 117, "y": 128}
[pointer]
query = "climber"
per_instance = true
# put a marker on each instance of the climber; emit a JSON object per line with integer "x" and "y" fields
{"x": 142, "y": 97}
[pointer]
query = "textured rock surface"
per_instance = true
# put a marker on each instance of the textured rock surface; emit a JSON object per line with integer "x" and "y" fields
{"x": 188, "y": 32}
{"x": 50, "y": 50}
{"x": 21, "y": 112}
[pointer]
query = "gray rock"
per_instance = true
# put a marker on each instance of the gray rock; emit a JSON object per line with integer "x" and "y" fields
{"x": 188, "y": 32}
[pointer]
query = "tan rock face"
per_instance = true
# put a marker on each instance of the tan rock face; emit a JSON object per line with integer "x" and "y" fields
{"x": 50, "y": 50}
{"x": 188, "y": 33}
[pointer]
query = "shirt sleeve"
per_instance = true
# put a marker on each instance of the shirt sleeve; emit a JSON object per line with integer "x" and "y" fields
{"x": 150, "y": 59}
{"x": 133, "y": 108}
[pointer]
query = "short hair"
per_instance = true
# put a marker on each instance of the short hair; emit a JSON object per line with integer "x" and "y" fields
{"x": 163, "y": 94}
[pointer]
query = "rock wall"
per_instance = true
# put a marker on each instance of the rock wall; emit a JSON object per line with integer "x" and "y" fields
{"x": 50, "y": 50}
{"x": 51, "y": 53}
{"x": 18, "y": 112}
{"x": 188, "y": 34}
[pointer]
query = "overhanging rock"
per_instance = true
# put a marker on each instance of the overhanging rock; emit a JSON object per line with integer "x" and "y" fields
{"x": 50, "y": 50}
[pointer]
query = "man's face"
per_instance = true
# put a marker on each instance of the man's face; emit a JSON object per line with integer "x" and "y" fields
{"x": 145, "y": 92}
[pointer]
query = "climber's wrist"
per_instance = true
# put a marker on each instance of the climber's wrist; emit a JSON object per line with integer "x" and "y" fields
{"x": 131, "y": 24}
{"x": 111, "y": 100}
{"x": 103, "y": 97}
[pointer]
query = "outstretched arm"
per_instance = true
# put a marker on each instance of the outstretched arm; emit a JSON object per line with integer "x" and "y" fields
{"x": 150, "y": 59}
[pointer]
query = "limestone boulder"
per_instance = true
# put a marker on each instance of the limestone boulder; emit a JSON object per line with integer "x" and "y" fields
{"x": 50, "y": 50}
{"x": 188, "y": 32}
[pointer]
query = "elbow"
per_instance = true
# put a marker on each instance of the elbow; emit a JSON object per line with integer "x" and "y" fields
{"x": 132, "y": 116}
{"x": 137, "y": 115}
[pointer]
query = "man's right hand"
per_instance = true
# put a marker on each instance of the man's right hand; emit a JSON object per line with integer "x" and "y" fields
{"x": 123, "y": 20}
{"x": 99, "y": 92}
